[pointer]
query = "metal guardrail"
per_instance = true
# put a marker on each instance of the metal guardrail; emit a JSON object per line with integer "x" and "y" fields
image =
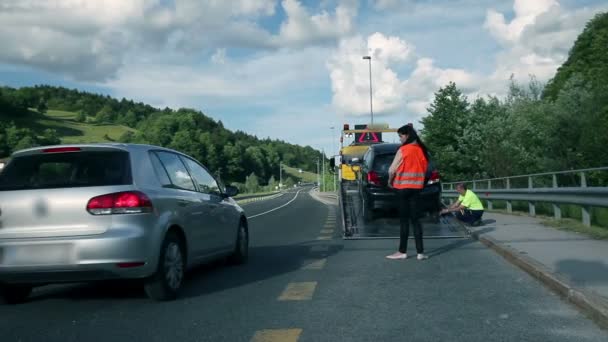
{"x": 582, "y": 195}
{"x": 244, "y": 197}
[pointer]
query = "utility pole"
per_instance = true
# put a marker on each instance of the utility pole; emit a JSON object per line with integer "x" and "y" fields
{"x": 371, "y": 106}
{"x": 335, "y": 177}
{"x": 318, "y": 174}
{"x": 323, "y": 158}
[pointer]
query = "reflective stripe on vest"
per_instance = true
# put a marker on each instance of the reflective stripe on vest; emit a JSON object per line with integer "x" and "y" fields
{"x": 412, "y": 171}
{"x": 410, "y": 174}
{"x": 408, "y": 182}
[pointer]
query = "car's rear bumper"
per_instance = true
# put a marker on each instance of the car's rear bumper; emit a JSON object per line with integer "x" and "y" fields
{"x": 385, "y": 199}
{"x": 115, "y": 254}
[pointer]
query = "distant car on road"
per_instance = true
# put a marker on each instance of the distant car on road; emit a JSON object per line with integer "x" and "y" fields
{"x": 375, "y": 193}
{"x": 112, "y": 211}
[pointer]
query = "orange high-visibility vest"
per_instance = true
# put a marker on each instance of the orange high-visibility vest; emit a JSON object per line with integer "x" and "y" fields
{"x": 411, "y": 172}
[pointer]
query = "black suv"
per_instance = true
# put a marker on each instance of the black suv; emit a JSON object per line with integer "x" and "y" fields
{"x": 375, "y": 192}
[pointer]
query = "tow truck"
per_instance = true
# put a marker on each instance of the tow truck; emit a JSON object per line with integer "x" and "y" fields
{"x": 348, "y": 167}
{"x": 350, "y": 190}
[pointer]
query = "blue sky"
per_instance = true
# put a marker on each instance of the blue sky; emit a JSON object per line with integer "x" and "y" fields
{"x": 287, "y": 69}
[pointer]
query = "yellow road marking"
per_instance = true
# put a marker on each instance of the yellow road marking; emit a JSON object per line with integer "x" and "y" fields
{"x": 299, "y": 291}
{"x": 327, "y": 231}
{"x": 324, "y": 237}
{"x": 277, "y": 335}
{"x": 315, "y": 265}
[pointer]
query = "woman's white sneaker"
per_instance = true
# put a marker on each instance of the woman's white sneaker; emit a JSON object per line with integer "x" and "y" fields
{"x": 397, "y": 256}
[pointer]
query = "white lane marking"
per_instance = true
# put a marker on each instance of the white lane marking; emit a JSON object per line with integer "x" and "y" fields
{"x": 277, "y": 208}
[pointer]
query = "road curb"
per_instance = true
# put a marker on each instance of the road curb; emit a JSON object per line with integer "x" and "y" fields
{"x": 591, "y": 304}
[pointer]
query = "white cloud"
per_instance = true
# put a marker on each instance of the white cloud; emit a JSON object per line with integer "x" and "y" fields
{"x": 91, "y": 40}
{"x": 349, "y": 74}
{"x": 302, "y": 28}
{"x": 536, "y": 41}
{"x": 386, "y": 4}
{"x": 391, "y": 93}
{"x": 269, "y": 78}
{"x": 219, "y": 57}
{"x": 526, "y": 13}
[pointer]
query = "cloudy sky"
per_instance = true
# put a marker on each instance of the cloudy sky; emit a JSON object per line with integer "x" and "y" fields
{"x": 287, "y": 69}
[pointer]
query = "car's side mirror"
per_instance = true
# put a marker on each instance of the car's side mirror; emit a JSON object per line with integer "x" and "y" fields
{"x": 231, "y": 191}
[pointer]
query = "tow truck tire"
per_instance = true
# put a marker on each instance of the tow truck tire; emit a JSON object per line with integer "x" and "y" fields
{"x": 368, "y": 213}
{"x": 15, "y": 294}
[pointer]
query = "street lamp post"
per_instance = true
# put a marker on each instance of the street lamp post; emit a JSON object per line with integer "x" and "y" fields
{"x": 323, "y": 161}
{"x": 318, "y": 174}
{"x": 371, "y": 107}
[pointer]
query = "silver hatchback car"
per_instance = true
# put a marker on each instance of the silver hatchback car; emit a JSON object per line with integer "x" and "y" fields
{"x": 112, "y": 211}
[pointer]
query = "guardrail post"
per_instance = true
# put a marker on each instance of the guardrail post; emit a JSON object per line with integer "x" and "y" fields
{"x": 532, "y": 208}
{"x": 531, "y": 205}
{"x": 586, "y": 211}
{"x": 583, "y": 180}
{"x": 509, "y": 204}
{"x": 490, "y": 206}
{"x": 474, "y": 185}
{"x": 557, "y": 210}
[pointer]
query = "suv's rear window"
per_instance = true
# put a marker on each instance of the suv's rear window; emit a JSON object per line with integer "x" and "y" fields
{"x": 66, "y": 170}
{"x": 382, "y": 162}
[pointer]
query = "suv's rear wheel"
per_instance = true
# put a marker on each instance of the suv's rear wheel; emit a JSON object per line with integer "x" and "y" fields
{"x": 15, "y": 294}
{"x": 166, "y": 282}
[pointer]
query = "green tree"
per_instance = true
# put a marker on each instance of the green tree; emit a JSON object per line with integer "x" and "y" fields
{"x": 25, "y": 142}
{"x": 50, "y": 137}
{"x": 130, "y": 119}
{"x": 587, "y": 58}
{"x": 444, "y": 128}
{"x": 272, "y": 184}
{"x": 104, "y": 115}
{"x": 42, "y": 107}
{"x": 81, "y": 116}
{"x": 252, "y": 183}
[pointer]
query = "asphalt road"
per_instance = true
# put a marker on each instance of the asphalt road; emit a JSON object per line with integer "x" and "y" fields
{"x": 305, "y": 283}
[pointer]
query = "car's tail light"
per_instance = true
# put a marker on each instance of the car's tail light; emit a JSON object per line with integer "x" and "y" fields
{"x": 61, "y": 149}
{"x": 373, "y": 178}
{"x": 434, "y": 177}
{"x": 130, "y": 202}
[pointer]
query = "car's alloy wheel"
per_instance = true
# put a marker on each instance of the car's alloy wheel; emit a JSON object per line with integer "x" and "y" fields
{"x": 169, "y": 276}
{"x": 241, "y": 249}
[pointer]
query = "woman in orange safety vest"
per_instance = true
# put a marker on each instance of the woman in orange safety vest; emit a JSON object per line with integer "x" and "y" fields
{"x": 406, "y": 176}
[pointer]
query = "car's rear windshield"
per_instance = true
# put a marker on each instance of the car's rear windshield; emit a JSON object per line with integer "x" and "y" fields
{"x": 382, "y": 162}
{"x": 66, "y": 170}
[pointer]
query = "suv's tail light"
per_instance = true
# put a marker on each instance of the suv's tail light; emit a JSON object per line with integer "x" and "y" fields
{"x": 130, "y": 202}
{"x": 434, "y": 177}
{"x": 61, "y": 149}
{"x": 373, "y": 178}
